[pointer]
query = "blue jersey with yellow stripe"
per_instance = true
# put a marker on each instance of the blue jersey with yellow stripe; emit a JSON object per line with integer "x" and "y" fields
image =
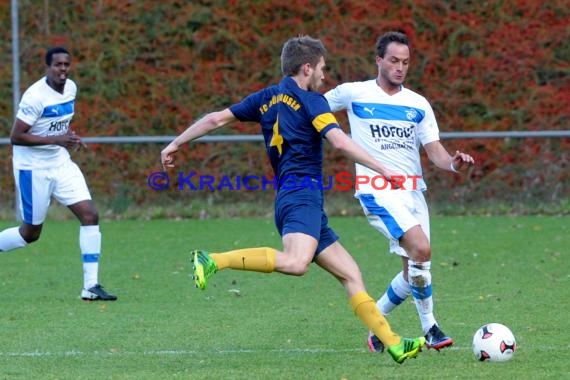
{"x": 293, "y": 123}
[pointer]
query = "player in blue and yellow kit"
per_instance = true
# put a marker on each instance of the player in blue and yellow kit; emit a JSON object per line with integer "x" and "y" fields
{"x": 295, "y": 118}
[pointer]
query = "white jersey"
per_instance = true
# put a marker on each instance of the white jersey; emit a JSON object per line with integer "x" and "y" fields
{"x": 49, "y": 113}
{"x": 390, "y": 127}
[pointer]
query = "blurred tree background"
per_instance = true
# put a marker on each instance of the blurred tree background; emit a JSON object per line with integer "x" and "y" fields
{"x": 150, "y": 68}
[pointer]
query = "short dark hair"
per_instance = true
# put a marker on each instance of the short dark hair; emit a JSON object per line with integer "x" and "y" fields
{"x": 55, "y": 50}
{"x": 385, "y": 39}
{"x": 300, "y": 50}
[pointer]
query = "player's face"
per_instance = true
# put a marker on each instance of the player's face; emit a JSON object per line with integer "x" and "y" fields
{"x": 317, "y": 76}
{"x": 58, "y": 70}
{"x": 393, "y": 68}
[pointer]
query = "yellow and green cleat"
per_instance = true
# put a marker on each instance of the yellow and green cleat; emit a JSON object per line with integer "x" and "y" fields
{"x": 204, "y": 267}
{"x": 407, "y": 348}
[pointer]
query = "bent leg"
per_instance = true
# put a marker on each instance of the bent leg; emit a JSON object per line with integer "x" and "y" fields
{"x": 297, "y": 254}
{"x": 397, "y": 292}
{"x": 260, "y": 259}
{"x": 18, "y": 237}
{"x": 338, "y": 262}
{"x": 33, "y": 196}
{"x": 392, "y": 214}
{"x": 418, "y": 274}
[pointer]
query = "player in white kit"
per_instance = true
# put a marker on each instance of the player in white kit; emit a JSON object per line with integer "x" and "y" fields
{"x": 40, "y": 136}
{"x": 391, "y": 122}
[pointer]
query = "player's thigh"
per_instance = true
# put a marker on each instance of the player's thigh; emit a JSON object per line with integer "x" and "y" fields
{"x": 33, "y": 195}
{"x": 391, "y": 212}
{"x": 298, "y": 249}
{"x": 327, "y": 235}
{"x": 70, "y": 186}
{"x": 416, "y": 240}
{"x": 421, "y": 212}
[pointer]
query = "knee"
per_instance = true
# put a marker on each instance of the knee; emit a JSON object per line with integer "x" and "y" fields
{"x": 299, "y": 269}
{"x": 86, "y": 212}
{"x": 90, "y": 217}
{"x": 421, "y": 253}
{"x": 30, "y": 238}
{"x": 424, "y": 253}
{"x": 296, "y": 265}
{"x": 30, "y": 234}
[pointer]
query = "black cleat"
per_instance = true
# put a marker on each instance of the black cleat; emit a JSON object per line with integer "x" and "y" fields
{"x": 374, "y": 343}
{"x": 97, "y": 293}
{"x": 436, "y": 339}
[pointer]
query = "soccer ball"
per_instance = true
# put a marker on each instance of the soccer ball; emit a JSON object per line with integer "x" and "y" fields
{"x": 494, "y": 342}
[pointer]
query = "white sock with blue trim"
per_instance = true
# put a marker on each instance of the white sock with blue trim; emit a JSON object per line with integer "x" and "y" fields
{"x": 90, "y": 245}
{"x": 419, "y": 276}
{"x": 397, "y": 292}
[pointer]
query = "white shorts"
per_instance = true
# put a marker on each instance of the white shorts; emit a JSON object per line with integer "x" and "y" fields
{"x": 34, "y": 189}
{"x": 395, "y": 212}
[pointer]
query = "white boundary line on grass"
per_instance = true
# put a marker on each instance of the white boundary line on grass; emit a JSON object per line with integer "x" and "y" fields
{"x": 76, "y": 353}
{"x": 169, "y": 352}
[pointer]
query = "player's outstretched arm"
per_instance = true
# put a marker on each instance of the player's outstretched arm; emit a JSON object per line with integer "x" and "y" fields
{"x": 203, "y": 126}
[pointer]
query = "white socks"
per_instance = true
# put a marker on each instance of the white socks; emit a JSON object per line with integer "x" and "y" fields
{"x": 11, "y": 239}
{"x": 419, "y": 286}
{"x": 90, "y": 244}
{"x": 419, "y": 276}
{"x": 397, "y": 292}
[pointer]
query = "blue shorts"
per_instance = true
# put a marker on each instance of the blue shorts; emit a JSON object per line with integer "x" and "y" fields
{"x": 301, "y": 210}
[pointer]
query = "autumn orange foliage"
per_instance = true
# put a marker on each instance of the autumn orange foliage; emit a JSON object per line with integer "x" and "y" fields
{"x": 150, "y": 68}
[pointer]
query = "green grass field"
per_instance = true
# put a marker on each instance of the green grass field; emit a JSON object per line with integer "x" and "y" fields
{"x": 513, "y": 270}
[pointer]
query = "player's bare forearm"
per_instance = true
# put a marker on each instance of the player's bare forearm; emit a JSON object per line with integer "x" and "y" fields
{"x": 443, "y": 160}
{"x": 31, "y": 140}
{"x": 204, "y": 126}
{"x": 70, "y": 141}
{"x": 198, "y": 129}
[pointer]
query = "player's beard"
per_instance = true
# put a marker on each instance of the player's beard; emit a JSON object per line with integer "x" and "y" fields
{"x": 315, "y": 83}
{"x": 387, "y": 79}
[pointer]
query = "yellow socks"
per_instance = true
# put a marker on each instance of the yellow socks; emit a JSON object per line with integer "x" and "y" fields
{"x": 364, "y": 306}
{"x": 250, "y": 259}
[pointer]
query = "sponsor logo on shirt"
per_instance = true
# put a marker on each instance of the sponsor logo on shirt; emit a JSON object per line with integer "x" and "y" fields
{"x": 60, "y": 127}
